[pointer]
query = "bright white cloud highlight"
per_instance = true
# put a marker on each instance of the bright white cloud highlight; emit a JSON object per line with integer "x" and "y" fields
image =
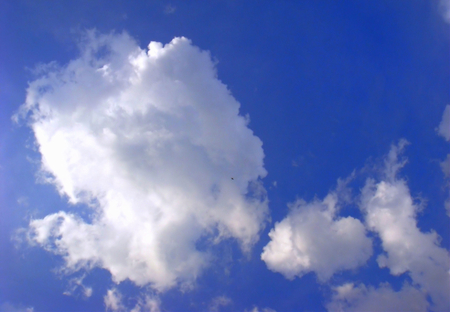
{"x": 391, "y": 213}
{"x": 76, "y": 286}
{"x": 313, "y": 238}
{"x": 382, "y": 299}
{"x": 150, "y": 140}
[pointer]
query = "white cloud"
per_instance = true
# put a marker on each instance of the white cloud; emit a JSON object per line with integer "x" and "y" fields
{"x": 113, "y": 300}
{"x": 382, "y": 299}
{"x": 147, "y": 304}
{"x": 313, "y": 238}
{"x": 218, "y": 302}
{"x": 150, "y": 141}
{"x": 391, "y": 212}
{"x": 444, "y": 126}
{"x": 76, "y": 285}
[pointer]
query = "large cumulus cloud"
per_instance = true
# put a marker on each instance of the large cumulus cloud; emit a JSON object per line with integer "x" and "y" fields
{"x": 154, "y": 144}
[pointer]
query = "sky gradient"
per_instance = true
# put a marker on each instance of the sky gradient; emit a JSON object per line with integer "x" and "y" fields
{"x": 225, "y": 156}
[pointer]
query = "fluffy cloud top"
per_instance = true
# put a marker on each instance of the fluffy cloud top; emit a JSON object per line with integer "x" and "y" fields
{"x": 154, "y": 144}
{"x": 9, "y": 307}
{"x": 391, "y": 213}
{"x": 313, "y": 238}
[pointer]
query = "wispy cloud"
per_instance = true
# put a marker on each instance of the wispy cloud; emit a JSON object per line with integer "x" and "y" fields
{"x": 113, "y": 300}
{"x": 444, "y": 127}
{"x": 218, "y": 302}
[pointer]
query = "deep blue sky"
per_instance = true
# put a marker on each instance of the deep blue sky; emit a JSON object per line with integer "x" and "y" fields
{"x": 328, "y": 87}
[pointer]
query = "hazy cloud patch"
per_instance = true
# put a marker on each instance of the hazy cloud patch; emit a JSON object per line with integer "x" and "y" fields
{"x": 113, "y": 300}
{"x": 351, "y": 298}
{"x": 76, "y": 287}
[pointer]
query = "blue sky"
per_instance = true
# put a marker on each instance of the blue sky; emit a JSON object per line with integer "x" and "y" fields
{"x": 224, "y": 156}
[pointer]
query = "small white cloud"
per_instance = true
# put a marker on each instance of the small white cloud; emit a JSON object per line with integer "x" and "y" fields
{"x": 444, "y": 127}
{"x": 391, "y": 212}
{"x": 382, "y": 299}
{"x": 218, "y": 302}
{"x": 113, "y": 300}
{"x": 313, "y": 239}
{"x": 148, "y": 140}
